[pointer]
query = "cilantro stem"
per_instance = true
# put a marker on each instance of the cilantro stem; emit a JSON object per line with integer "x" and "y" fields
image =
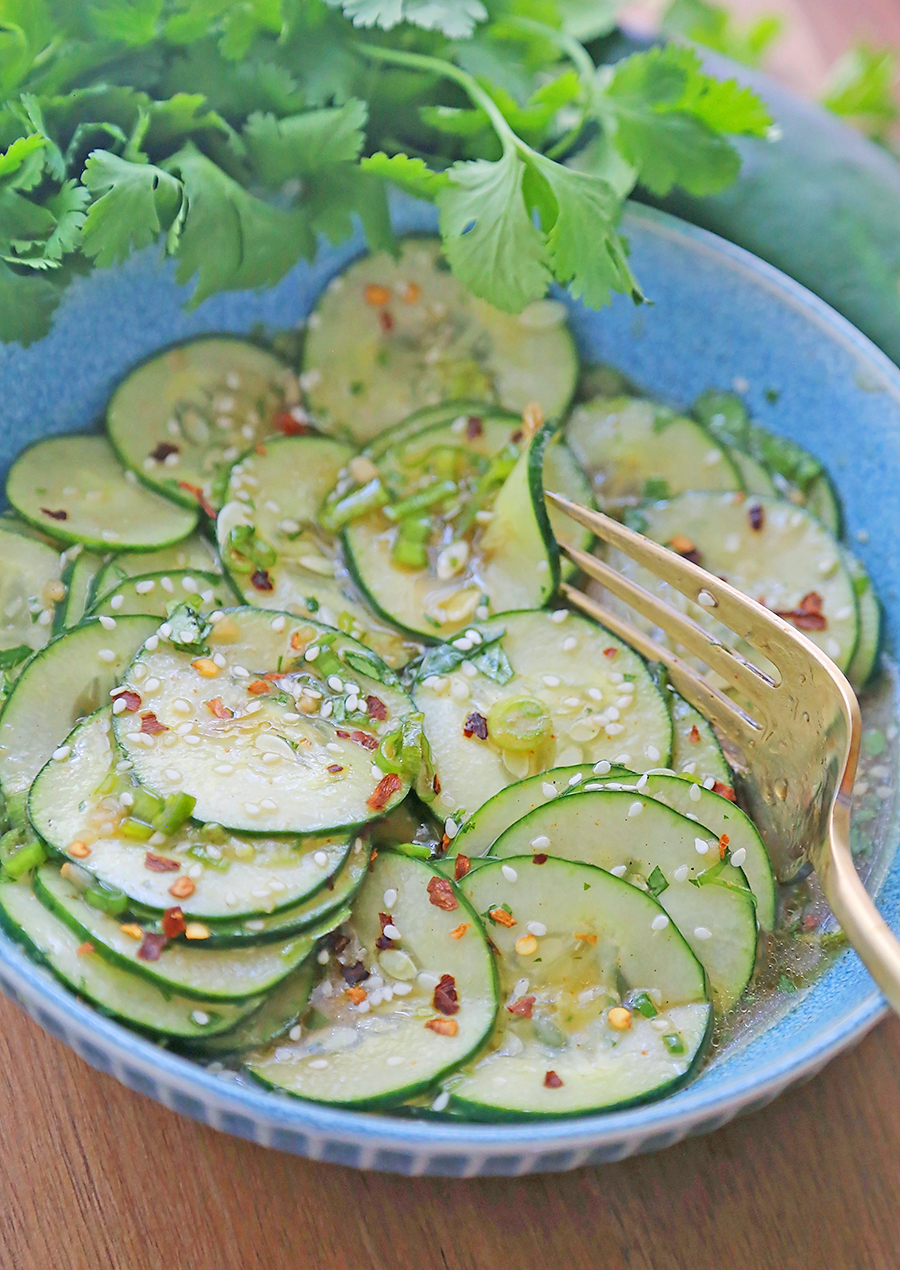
{"x": 573, "y": 49}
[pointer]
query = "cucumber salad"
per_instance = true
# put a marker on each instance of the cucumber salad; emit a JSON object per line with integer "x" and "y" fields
{"x": 308, "y": 772}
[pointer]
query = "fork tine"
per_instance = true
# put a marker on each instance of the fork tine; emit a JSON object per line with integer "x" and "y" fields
{"x": 701, "y": 694}
{"x": 736, "y": 670}
{"x": 734, "y": 610}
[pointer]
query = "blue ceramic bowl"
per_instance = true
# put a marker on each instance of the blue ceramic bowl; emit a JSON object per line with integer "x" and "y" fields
{"x": 719, "y": 318}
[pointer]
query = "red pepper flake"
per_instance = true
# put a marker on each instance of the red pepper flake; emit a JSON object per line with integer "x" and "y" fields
{"x": 443, "y": 1027}
{"x": 724, "y": 791}
{"x": 476, "y": 725}
{"x": 808, "y": 615}
{"x": 163, "y": 450}
{"x": 384, "y": 941}
{"x": 386, "y": 320}
{"x": 151, "y": 946}
{"x": 539, "y": 857}
{"x": 723, "y": 845}
{"x": 150, "y": 725}
{"x": 384, "y": 791}
{"x": 502, "y": 918}
{"x": 258, "y": 687}
{"x": 552, "y": 1081}
{"x": 261, "y": 580}
{"x": 756, "y": 517}
{"x": 517, "y": 436}
{"x": 334, "y": 768}
{"x": 376, "y": 294}
{"x": 285, "y": 423}
{"x": 436, "y": 784}
{"x": 217, "y": 707}
{"x": 610, "y": 652}
{"x": 461, "y": 867}
{"x": 60, "y": 515}
{"x": 365, "y": 739}
{"x": 356, "y": 995}
{"x": 522, "y": 1008}
{"x": 160, "y": 863}
{"x": 376, "y": 708}
{"x": 460, "y": 930}
{"x": 440, "y": 892}
{"x": 694, "y": 734}
{"x": 85, "y": 948}
{"x": 274, "y": 675}
{"x": 809, "y": 922}
{"x": 474, "y": 427}
{"x": 354, "y": 974}
{"x": 173, "y": 922}
{"x": 338, "y": 941}
{"x": 685, "y": 548}
{"x": 446, "y": 998}
{"x": 131, "y": 699}
{"x": 197, "y": 493}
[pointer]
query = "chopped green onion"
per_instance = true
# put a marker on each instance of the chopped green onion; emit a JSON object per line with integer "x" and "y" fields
{"x": 518, "y": 723}
{"x": 673, "y": 1043}
{"x": 175, "y": 812}
{"x": 643, "y": 1005}
{"x": 146, "y": 805}
{"x": 24, "y": 860}
{"x": 369, "y": 497}
{"x": 409, "y": 549}
{"x": 131, "y": 828}
{"x": 111, "y": 902}
{"x": 420, "y": 502}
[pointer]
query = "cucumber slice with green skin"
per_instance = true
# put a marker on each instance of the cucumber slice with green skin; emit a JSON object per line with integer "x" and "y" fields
{"x": 619, "y": 829}
{"x": 573, "y": 669}
{"x": 69, "y": 678}
{"x": 754, "y": 477}
{"x": 486, "y": 825}
{"x": 220, "y": 974}
{"x": 75, "y": 489}
{"x": 865, "y": 657}
{"x": 184, "y": 416}
{"x": 634, "y": 449}
{"x": 822, "y": 500}
{"x": 271, "y": 510}
{"x": 112, "y": 990}
{"x": 603, "y": 943}
{"x": 695, "y": 748}
{"x": 195, "y": 552}
{"x": 155, "y": 593}
{"x": 388, "y": 1051}
{"x": 79, "y": 577}
{"x": 393, "y": 335}
{"x": 464, "y": 564}
{"x": 77, "y": 802}
{"x": 789, "y": 558}
{"x": 31, "y": 586}
{"x": 563, "y": 474}
{"x": 446, "y": 413}
{"x": 714, "y": 813}
{"x": 282, "y": 1009}
{"x": 322, "y": 778}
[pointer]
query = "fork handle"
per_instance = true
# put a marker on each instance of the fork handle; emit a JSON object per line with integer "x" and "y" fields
{"x": 865, "y": 928}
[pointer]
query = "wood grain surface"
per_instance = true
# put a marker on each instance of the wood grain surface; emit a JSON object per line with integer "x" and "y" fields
{"x": 93, "y": 1177}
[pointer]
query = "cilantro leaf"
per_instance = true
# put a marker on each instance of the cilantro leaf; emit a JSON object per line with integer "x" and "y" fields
{"x": 133, "y": 202}
{"x": 129, "y": 21}
{"x": 712, "y": 26}
{"x": 861, "y": 90}
{"x": 27, "y": 305}
{"x": 335, "y": 199}
{"x": 180, "y": 116}
{"x": 282, "y": 149}
{"x": 587, "y": 19}
{"x": 15, "y": 155}
{"x": 412, "y": 175}
{"x": 230, "y": 239}
{"x": 489, "y": 238}
{"x": 67, "y": 209}
{"x": 454, "y": 18}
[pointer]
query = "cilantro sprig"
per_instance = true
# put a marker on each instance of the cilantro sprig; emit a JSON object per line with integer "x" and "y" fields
{"x": 234, "y": 133}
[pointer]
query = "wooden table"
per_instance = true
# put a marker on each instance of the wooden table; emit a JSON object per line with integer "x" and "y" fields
{"x": 93, "y": 1177}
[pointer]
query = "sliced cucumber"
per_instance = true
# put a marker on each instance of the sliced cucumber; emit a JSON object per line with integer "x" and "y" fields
{"x": 865, "y": 656}
{"x": 486, "y": 825}
{"x": 282, "y": 1009}
{"x": 156, "y": 593}
{"x": 603, "y": 944}
{"x": 695, "y": 747}
{"x": 321, "y": 774}
{"x": 195, "y": 552}
{"x": 75, "y": 489}
{"x": 563, "y": 474}
{"x": 658, "y": 849}
{"x": 391, "y": 1049}
{"x": 113, "y": 990}
{"x": 215, "y": 974}
{"x": 83, "y": 803}
{"x": 569, "y": 674}
{"x": 634, "y": 449}
{"x": 185, "y": 415}
{"x": 80, "y": 577}
{"x": 393, "y": 335}
{"x": 788, "y": 560}
{"x": 486, "y": 543}
{"x": 754, "y": 477}
{"x": 71, "y": 677}
{"x": 277, "y": 554}
{"x": 31, "y": 586}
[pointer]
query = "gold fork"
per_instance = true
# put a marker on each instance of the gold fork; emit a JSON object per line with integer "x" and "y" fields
{"x": 793, "y": 740}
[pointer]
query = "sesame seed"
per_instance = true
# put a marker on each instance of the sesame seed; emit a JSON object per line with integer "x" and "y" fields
{"x": 391, "y": 931}
{"x": 459, "y": 690}
{"x": 152, "y": 685}
{"x": 572, "y": 702}
{"x": 595, "y": 694}
{"x": 126, "y": 799}
{"x": 271, "y": 759}
{"x": 390, "y": 897}
{"x": 189, "y": 585}
{"x": 165, "y": 630}
{"x": 635, "y": 809}
{"x": 395, "y": 1061}
{"x": 551, "y": 681}
{"x": 109, "y": 535}
{"x": 152, "y": 644}
{"x": 269, "y": 804}
{"x": 602, "y": 768}
{"x": 615, "y": 677}
{"x": 559, "y": 615}
{"x": 709, "y": 782}
{"x": 619, "y": 871}
{"x": 223, "y": 769}
{"x": 252, "y": 809}
{"x": 541, "y": 842}
{"x": 451, "y": 828}
{"x": 195, "y": 871}
{"x": 327, "y": 710}
{"x": 694, "y": 794}
{"x": 62, "y": 753}
{"x": 116, "y": 602}
{"x": 278, "y": 623}
{"x": 106, "y": 654}
{"x": 230, "y": 899}
{"x": 464, "y": 645}
{"x": 652, "y": 753}
{"x": 296, "y": 1032}
{"x": 321, "y": 859}
{"x": 440, "y": 1103}
{"x": 167, "y": 585}
{"x": 219, "y": 660}
{"x": 700, "y": 932}
{"x": 200, "y": 1017}
{"x": 240, "y": 672}
{"x": 108, "y": 623}
{"x": 708, "y": 601}
{"x": 660, "y": 922}
{"x": 536, "y": 928}
{"x": 322, "y": 956}
{"x": 144, "y": 588}
{"x": 469, "y": 669}
{"x": 509, "y": 873}
{"x": 576, "y": 779}
{"x": 613, "y": 729}
{"x": 701, "y": 846}
{"x": 738, "y": 857}
{"x": 312, "y": 653}
{"x": 319, "y": 1064}
{"x": 569, "y": 643}
{"x": 335, "y": 683}
{"x": 119, "y": 706}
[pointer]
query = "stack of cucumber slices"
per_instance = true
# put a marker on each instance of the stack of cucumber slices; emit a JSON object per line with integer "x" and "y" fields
{"x": 307, "y": 770}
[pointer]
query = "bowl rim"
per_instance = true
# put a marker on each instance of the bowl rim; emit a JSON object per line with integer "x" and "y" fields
{"x": 179, "y": 1082}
